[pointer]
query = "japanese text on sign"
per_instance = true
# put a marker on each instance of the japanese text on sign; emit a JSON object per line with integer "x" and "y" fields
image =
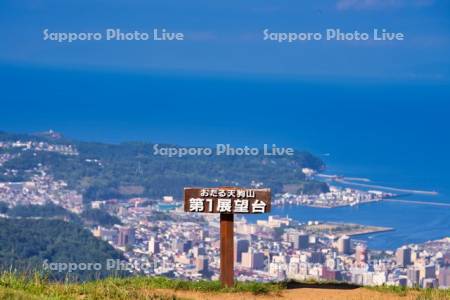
{"x": 227, "y": 200}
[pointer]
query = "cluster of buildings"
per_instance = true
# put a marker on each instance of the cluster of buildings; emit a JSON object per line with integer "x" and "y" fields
{"x": 164, "y": 240}
{"x": 160, "y": 242}
{"x": 426, "y": 265}
{"x": 172, "y": 243}
{"x": 4, "y": 157}
{"x": 41, "y": 189}
{"x": 334, "y": 198}
{"x": 39, "y": 146}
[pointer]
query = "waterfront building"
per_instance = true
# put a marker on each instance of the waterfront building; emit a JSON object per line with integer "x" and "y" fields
{"x": 343, "y": 245}
{"x": 202, "y": 265}
{"x": 413, "y": 274}
{"x": 428, "y": 271}
{"x": 153, "y": 246}
{"x": 316, "y": 257}
{"x": 444, "y": 277}
{"x": 240, "y": 246}
{"x": 361, "y": 254}
{"x": 253, "y": 260}
{"x": 301, "y": 241}
{"x": 126, "y": 236}
{"x": 403, "y": 256}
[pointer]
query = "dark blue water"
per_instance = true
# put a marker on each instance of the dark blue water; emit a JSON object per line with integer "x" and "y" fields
{"x": 412, "y": 223}
{"x": 395, "y": 133}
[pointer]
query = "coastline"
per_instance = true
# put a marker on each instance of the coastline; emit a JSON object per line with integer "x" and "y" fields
{"x": 373, "y": 231}
{"x": 328, "y": 206}
{"x": 349, "y": 229}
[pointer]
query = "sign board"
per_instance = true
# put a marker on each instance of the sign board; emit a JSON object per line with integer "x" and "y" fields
{"x": 227, "y": 200}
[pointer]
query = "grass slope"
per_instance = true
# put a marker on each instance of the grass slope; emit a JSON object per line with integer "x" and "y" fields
{"x": 13, "y": 286}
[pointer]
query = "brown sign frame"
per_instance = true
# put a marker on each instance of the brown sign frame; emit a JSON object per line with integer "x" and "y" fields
{"x": 227, "y": 200}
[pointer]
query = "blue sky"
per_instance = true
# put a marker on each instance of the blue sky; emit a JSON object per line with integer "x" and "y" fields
{"x": 226, "y": 37}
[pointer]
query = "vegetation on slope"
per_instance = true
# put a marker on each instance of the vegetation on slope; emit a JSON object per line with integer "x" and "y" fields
{"x": 26, "y": 244}
{"x": 49, "y": 210}
{"x": 90, "y": 217}
{"x": 103, "y": 171}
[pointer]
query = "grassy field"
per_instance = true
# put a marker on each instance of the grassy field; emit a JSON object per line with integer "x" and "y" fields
{"x": 13, "y": 286}
{"x": 420, "y": 294}
{"x": 17, "y": 287}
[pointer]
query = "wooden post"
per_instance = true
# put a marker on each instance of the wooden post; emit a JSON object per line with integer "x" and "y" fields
{"x": 227, "y": 250}
{"x": 227, "y": 201}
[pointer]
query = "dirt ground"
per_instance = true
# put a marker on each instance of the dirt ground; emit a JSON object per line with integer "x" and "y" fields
{"x": 298, "y": 294}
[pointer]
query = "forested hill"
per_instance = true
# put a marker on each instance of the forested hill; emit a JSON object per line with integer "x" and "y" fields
{"x": 102, "y": 171}
{"x": 29, "y": 244}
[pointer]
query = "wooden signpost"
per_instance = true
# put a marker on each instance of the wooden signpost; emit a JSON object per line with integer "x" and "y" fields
{"x": 227, "y": 201}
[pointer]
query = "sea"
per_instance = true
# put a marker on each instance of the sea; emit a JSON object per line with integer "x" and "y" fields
{"x": 395, "y": 133}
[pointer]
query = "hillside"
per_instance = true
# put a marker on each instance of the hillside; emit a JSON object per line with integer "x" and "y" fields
{"x": 26, "y": 243}
{"x": 102, "y": 171}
